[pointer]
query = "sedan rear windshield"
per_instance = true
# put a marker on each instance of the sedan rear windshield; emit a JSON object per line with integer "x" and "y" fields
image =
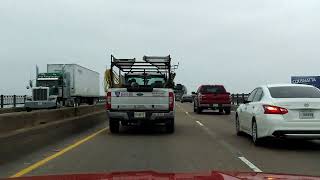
{"x": 294, "y": 92}
{"x": 213, "y": 89}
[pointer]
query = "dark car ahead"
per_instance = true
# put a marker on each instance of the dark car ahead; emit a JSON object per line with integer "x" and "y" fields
{"x": 187, "y": 98}
{"x": 213, "y": 97}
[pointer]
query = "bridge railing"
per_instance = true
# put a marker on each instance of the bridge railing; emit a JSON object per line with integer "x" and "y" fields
{"x": 237, "y": 99}
{"x": 12, "y": 100}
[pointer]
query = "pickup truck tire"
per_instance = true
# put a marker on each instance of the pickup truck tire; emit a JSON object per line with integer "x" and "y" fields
{"x": 114, "y": 126}
{"x": 124, "y": 123}
{"x": 199, "y": 110}
{"x": 227, "y": 111}
{"x": 28, "y": 109}
{"x": 170, "y": 127}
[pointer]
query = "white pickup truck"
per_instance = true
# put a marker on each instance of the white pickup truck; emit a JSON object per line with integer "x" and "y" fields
{"x": 146, "y": 96}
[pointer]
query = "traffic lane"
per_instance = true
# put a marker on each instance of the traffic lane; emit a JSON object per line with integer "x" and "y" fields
{"x": 189, "y": 149}
{"x": 8, "y": 168}
{"x": 280, "y": 156}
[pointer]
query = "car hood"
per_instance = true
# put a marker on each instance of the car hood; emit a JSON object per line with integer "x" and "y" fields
{"x": 146, "y": 175}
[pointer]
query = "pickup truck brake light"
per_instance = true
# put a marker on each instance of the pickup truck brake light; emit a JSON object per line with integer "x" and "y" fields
{"x": 108, "y": 101}
{"x": 202, "y": 97}
{"x": 171, "y": 101}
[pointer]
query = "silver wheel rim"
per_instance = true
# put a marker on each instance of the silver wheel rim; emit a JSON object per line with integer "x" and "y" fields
{"x": 237, "y": 124}
{"x": 254, "y": 132}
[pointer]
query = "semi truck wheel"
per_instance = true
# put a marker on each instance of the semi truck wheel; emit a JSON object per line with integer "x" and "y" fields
{"x": 90, "y": 101}
{"x": 114, "y": 126}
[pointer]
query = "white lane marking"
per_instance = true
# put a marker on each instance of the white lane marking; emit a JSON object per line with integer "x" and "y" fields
{"x": 199, "y": 123}
{"x": 248, "y": 163}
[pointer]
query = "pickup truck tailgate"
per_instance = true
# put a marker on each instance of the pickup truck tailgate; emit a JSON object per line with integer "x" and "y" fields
{"x": 157, "y": 100}
{"x": 223, "y": 98}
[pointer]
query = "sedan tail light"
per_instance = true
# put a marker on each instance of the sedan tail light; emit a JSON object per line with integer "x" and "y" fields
{"x": 268, "y": 109}
{"x": 108, "y": 101}
{"x": 171, "y": 101}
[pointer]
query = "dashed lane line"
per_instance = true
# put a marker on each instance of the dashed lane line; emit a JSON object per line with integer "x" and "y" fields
{"x": 199, "y": 123}
{"x": 226, "y": 145}
{"x": 248, "y": 163}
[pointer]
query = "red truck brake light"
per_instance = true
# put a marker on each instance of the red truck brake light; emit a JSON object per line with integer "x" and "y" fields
{"x": 108, "y": 101}
{"x": 171, "y": 101}
{"x": 268, "y": 109}
{"x": 202, "y": 97}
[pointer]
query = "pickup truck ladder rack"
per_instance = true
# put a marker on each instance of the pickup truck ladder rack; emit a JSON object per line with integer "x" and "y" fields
{"x": 149, "y": 64}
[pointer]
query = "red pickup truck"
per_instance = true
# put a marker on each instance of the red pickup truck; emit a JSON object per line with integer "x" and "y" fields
{"x": 213, "y": 97}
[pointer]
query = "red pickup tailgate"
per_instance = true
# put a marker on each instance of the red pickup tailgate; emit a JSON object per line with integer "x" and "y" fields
{"x": 210, "y": 98}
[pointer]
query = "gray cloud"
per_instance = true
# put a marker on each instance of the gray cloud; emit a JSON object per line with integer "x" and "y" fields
{"x": 241, "y": 44}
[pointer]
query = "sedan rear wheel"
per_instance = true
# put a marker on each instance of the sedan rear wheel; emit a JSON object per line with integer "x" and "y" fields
{"x": 238, "y": 131}
{"x": 254, "y": 134}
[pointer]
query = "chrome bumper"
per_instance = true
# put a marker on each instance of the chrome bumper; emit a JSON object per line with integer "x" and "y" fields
{"x": 40, "y": 104}
{"x": 153, "y": 115}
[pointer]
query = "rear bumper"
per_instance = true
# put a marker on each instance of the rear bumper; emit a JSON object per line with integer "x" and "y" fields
{"x": 40, "y": 104}
{"x": 312, "y": 134}
{"x": 214, "y": 106}
{"x": 157, "y": 116}
{"x": 276, "y": 126}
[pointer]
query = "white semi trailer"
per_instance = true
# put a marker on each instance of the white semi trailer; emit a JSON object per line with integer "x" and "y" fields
{"x": 64, "y": 85}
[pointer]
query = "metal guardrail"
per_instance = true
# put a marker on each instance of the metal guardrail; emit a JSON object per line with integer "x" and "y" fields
{"x": 12, "y": 100}
{"x": 237, "y": 99}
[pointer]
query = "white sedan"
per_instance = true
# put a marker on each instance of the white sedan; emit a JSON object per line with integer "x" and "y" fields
{"x": 286, "y": 110}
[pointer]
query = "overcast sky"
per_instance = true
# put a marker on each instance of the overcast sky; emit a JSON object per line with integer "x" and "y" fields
{"x": 238, "y": 43}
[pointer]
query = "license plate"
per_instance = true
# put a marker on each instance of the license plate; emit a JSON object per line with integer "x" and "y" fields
{"x": 214, "y": 105}
{"x": 158, "y": 114}
{"x": 39, "y": 103}
{"x": 306, "y": 115}
{"x": 139, "y": 114}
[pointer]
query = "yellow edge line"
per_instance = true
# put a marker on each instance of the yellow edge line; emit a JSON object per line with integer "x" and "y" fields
{"x": 44, "y": 161}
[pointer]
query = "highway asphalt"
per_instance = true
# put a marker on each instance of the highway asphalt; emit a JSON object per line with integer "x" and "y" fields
{"x": 201, "y": 143}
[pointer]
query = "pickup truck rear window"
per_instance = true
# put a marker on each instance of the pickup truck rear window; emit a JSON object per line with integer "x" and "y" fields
{"x": 294, "y": 92}
{"x": 153, "y": 81}
{"x": 212, "y": 89}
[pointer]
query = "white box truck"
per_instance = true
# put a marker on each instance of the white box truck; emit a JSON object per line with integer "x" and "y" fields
{"x": 64, "y": 85}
